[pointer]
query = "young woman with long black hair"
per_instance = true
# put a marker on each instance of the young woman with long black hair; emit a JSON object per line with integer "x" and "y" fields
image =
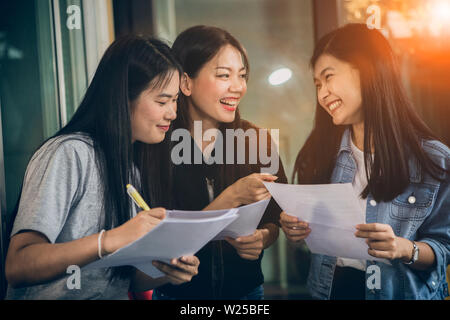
{"x": 215, "y": 80}
{"x": 74, "y": 186}
{"x": 367, "y": 133}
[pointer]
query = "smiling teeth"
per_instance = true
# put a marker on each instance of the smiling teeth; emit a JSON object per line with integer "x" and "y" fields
{"x": 228, "y": 102}
{"x": 335, "y": 105}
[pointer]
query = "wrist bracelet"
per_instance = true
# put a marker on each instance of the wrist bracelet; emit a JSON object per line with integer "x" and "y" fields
{"x": 99, "y": 245}
{"x": 415, "y": 254}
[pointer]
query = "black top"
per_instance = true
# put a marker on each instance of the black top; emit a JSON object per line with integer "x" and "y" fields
{"x": 223, "y": 274}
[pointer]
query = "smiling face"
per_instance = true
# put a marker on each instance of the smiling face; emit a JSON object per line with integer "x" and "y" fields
{"x": 214, "y": 94}
{"x": 153, "y": 111}
{"x": 339, "y": 90}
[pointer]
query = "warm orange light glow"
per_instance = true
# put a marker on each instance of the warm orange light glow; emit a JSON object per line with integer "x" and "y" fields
{"x": 439, "y": 17}
{"x": 406, "y": 18}
{"x": 440, "y": 11}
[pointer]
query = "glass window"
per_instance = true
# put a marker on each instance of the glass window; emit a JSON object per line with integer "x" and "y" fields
{"x": 43, "y": 77}
{"x": 72, "y": 54}
{"x": 29, "y": 106}
{"x": 31, "y": 84}
{"x": 28, "y": 97}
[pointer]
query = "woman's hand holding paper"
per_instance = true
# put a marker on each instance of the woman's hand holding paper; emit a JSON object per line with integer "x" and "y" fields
{"x": 132, "y": 230}
{"x": 251, "y": 188}
{"x": 382, "y": 241}
{"x": 180, "y": 270}
{"x": 249, "y": 247}
{"x": 294, "y": 229}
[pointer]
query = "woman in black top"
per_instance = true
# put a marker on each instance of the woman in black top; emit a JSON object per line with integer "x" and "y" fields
{"x": 215, "y": 79}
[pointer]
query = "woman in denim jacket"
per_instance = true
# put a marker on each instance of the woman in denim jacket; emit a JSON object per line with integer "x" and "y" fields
{"x": 367, "y": 133}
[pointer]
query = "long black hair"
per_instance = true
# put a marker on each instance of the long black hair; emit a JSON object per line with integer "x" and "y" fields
{"x": 129, "y": 66}
{"x": 193, "y": 48}
{"x": 392, "y": 127}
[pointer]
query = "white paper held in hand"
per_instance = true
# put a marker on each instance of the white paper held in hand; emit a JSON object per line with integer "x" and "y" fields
{"x": 249, "y": 217}
{"x": 176, "y": 236}
{"x": 332, "y": 212}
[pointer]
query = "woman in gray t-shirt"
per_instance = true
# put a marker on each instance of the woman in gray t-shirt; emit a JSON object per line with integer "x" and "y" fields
{"x": 74, "y": 186}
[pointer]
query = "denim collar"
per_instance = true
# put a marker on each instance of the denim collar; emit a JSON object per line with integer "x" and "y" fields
{"x": 345, "y": 142}
{"x": 414, "y": 166}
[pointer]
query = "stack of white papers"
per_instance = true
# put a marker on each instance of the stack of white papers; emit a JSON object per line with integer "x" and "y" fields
{"x": 179, "y": 234}
{"x": 332, "y": 212}
{"x": 183, "y": 233}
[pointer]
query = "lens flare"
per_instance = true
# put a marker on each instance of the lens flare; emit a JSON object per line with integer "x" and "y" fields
{"x": 441, "y": 11}
{"x": 439, "y": 17}
{"x": 280, "y": 76}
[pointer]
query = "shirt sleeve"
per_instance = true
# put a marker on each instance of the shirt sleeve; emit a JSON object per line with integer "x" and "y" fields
{"x": 435, "y": 231}
{"x": 51, "y": 185}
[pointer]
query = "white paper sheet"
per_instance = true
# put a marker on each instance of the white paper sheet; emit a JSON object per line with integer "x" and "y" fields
{"x": 332, "y": 212}
{"x": 179, "y": 234}
{"x": 248, "y": 219}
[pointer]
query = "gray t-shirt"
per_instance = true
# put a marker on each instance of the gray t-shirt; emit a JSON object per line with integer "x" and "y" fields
{"x": 62, "y": 199}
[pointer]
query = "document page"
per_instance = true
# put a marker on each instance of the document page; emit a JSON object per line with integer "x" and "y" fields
{"x": 332, "y": 211}
{"x": 247, "y": 221}
{"x": 172, "y": 238}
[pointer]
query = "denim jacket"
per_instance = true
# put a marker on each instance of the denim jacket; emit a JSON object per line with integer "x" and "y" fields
{"x": 426, "y": 220}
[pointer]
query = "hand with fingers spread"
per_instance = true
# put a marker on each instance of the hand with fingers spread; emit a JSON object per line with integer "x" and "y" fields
{"x": 179, "y": 270}
{"x": 383, "y": 243}
{"x": 294, "y": 229}
{"x": 244, "y": 191}
{"x": 251, "y": 188}
{"x": 132, "y": 230}
{"x": 249, "y": 247}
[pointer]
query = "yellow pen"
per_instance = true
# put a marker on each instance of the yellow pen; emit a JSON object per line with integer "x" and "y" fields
{"x": 132, "y": 192}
